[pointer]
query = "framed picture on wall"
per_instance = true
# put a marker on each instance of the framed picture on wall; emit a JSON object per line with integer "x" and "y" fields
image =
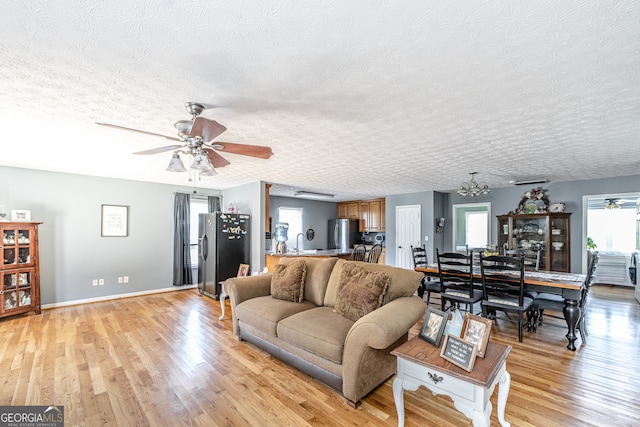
{"x": 115, "y": 221}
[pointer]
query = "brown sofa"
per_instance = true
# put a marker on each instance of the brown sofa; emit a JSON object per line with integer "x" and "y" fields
{"x": 352, "y": 357}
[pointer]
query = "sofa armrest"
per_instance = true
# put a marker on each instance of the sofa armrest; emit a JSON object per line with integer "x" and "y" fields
{"x": 366, "y": 361}
{"x": 241, "y": 289}
{"x": 382, "y": 327}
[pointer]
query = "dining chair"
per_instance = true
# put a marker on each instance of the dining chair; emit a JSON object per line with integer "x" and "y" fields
{"x": 426, "y": 284}
{"x": 555, "y": 303}
{"x": 359, "y": 253}
{"x": 531, "y": 257}
{"x": 503, "y": 288}
{"x": 456, "y": 280}
{"x": 374, "y": 253}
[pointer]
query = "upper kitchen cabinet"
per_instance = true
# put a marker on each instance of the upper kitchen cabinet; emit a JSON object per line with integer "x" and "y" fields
{"x": 349, "y": 210}
{"x": 372, "y": 215}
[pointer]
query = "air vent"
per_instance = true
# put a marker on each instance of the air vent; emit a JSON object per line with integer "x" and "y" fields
{"x": 529, "y": 181}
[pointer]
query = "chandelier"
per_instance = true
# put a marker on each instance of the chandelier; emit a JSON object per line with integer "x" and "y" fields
{"x": 472, "y": 188}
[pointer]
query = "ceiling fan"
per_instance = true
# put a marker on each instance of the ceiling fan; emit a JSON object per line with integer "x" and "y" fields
{"x": 195, "y": 138}
{"x": 615, "y": 203}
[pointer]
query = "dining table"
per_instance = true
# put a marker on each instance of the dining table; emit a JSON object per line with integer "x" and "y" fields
{"x": 568, "y": 285}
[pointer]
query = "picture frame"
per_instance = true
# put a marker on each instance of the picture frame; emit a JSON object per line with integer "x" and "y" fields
{"x": 115, "y": 221}
{"x": 459, "y": 352}
{"x": 243, "y": 270}
{"x": 433, "y": 326}
{"x": 20, "y": 215}
{"x": 476, "y": 330}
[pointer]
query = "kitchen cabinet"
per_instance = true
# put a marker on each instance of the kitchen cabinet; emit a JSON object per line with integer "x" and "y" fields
{"x": 20, "y": 268}
{"x": 349, "y": 210}
{"x": 550, "y": 233}
{"x": 372, "y": 215}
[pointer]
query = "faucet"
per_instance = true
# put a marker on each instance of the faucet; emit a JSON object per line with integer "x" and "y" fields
{"x": 298, "y": 248}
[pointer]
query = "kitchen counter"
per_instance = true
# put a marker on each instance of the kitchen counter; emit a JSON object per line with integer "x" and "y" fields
{"x": 272, "y": 259}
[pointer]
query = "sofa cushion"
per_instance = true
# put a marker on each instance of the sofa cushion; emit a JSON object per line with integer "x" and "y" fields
{"x": 360, "y": 291}
{"x": 265, "y": 312}
{"x": 404, "y": 282}
{"x": 320, "y": 331}
{"x": 287, "y": 281}
{"x": 318, "y": 272}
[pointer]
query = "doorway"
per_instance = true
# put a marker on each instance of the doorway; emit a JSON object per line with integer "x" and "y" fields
{"x": 612, "y": 227}
{"x": 408, "y": 233}
{"x": 471, "y": 226}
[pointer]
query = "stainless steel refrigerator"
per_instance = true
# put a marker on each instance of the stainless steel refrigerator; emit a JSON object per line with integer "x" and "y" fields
{"x": 343, "y": 233}
{"x": 223, "y": 244}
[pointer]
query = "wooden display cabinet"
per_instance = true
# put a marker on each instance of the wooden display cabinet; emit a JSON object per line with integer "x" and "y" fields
{"x": 20, "y": 268}
{"x": 549, "y": 232}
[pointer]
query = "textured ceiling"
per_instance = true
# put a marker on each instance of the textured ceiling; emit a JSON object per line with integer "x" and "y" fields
{"x": 355, "y": 98}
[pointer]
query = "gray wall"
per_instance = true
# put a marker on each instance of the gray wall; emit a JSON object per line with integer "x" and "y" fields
{"x": 315, "y": 214}
{"x": 504, "y": 200}
{"x": 72, "y": 252}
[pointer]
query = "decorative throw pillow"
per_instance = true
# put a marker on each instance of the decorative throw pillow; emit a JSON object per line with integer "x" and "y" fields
{"x": 360, "y": 291}
{"x": 287, "y": 281}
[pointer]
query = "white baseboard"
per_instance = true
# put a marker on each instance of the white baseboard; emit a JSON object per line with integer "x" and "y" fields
{"x": 118, "y": 296}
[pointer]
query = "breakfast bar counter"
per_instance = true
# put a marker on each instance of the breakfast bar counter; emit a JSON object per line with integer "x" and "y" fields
{"x": 272, "y": 259}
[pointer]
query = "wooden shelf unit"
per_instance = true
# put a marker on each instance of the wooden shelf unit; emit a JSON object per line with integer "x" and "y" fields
{"x": 20, "y": 268}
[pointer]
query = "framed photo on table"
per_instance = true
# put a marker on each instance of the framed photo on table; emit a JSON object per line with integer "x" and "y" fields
{"x": 476, "y": 330}
{"x": 433, "y": 326}
{"x": 243, "y": 270}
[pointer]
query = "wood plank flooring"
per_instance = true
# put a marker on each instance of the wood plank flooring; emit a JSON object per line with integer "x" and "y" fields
{"x": 166, "y": 360}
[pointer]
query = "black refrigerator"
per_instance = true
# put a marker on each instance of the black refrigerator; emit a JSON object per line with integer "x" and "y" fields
{"x": 223, "y": 244}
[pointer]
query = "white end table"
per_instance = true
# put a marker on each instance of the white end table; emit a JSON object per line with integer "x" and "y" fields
{"x": 223, "y": 296}
{"x": 419, "y": 363}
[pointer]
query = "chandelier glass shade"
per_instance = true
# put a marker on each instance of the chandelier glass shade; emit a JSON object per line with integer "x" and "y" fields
{"x": 472, "y": 188}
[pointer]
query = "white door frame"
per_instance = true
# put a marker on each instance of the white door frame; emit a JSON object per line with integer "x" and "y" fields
{"x": 404, "y": 258}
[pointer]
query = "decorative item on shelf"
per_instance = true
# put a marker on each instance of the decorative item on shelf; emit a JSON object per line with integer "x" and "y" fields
{"x": 557, "y": 207}
{"x": 433, "y": 326}
{"x": 472, "y": 188}
{"x": 19, "y": 215}
{"x": 3, "y": 213}
{"x": 533, "y": 202}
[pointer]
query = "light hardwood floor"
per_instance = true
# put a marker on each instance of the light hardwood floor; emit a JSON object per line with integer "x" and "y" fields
{"x": 166, "y": 360}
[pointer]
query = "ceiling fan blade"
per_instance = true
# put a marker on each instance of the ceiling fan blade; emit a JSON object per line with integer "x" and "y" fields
{"x": 159, "y": 149}
{"x": 207, "y": 129}
{"x": 244, "y": 149}
{"x": 216, "y": 159}
{"x": 171, "y": 138}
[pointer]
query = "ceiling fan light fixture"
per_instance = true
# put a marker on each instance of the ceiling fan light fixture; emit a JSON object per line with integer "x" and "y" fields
{"x": 175, "y": 164}
{"x": 612, "y": 204}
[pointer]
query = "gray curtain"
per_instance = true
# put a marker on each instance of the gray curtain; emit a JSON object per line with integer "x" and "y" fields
{"x": 181, "y": 245}
{"x": 214, "y": 203}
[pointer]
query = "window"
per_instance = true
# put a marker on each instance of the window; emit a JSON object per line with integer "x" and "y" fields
{"x": 471, "y": 225}
{"x": 292, "y": 216}
{"x": 196, "y": 207}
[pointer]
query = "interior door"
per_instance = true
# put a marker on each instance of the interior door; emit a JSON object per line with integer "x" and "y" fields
{"x": 408, "y": 233}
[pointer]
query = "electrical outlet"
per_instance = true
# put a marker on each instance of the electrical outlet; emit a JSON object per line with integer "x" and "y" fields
{"x": 94, "y": 282}
{"x": 120, "y": 279}
{"x": 126, "y": 279}
{"x": 101, "y": 282}
{"x": 426, "y": 238}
